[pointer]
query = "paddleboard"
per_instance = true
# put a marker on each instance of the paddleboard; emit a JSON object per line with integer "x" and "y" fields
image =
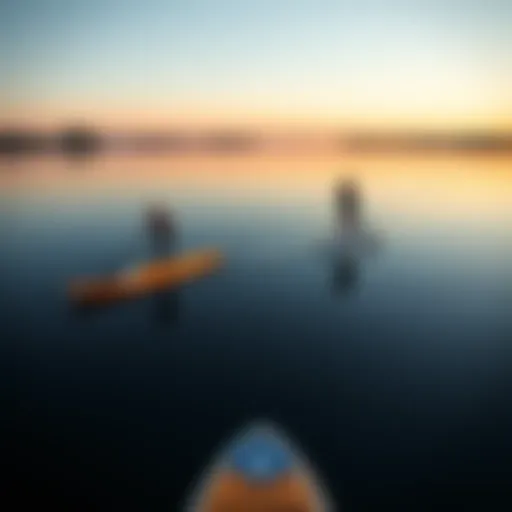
{"x": 145, "y": 278}
{"x": 260, "y": 470}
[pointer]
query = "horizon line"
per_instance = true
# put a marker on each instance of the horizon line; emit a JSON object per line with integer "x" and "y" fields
{"x": 312, "y": 132}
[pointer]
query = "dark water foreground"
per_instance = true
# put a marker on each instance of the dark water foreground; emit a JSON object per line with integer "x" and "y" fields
{"x": 394, "y": 373}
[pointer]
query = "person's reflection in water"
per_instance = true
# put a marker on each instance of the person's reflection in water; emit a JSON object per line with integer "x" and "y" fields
{"x": 345, "y": 275}
{"x": 167, "y": 307}
{"x": 162, "y": 231}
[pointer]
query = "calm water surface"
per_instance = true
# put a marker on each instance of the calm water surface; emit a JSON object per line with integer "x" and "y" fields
{"x": 394, "y": 372}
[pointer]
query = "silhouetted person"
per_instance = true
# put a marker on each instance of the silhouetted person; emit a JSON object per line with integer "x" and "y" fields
{"x": 161, "y": 228}
{"x": 349, "y": 237}
{"x": 348, "y": 206}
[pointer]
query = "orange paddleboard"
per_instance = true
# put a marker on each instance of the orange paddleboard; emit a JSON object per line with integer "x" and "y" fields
{"x": 260, "y": 471}
{"x": 146, "y": 278}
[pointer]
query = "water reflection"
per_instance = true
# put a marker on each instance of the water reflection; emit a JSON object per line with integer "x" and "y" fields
{"x": 345, "y": 275}
{"x": 441, "y": 356}
{"x": 167, "y": 306}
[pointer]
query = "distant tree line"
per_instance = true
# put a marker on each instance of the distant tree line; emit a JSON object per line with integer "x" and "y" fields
{"x": 71, "y": 140}
{"x": 21, "y": 142}
{"x": 224, "y": 141}
{"x": 428, "y": 142}
{"x": 81, "y": 140}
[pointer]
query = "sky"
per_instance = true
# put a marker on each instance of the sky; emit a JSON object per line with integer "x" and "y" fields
{"x": 342, "y": 64}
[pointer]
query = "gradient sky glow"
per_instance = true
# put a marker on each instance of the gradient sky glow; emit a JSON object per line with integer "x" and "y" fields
{"x": 395, "y": 63}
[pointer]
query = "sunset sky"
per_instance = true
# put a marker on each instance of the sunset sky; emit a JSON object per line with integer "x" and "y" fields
{"x": 260, "y": 63}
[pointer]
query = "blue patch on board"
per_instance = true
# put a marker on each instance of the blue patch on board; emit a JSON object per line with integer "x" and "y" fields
{"x": 261, "y": 456}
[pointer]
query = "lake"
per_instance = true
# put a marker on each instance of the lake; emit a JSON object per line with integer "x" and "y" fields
{"x": 394, "y": 372}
